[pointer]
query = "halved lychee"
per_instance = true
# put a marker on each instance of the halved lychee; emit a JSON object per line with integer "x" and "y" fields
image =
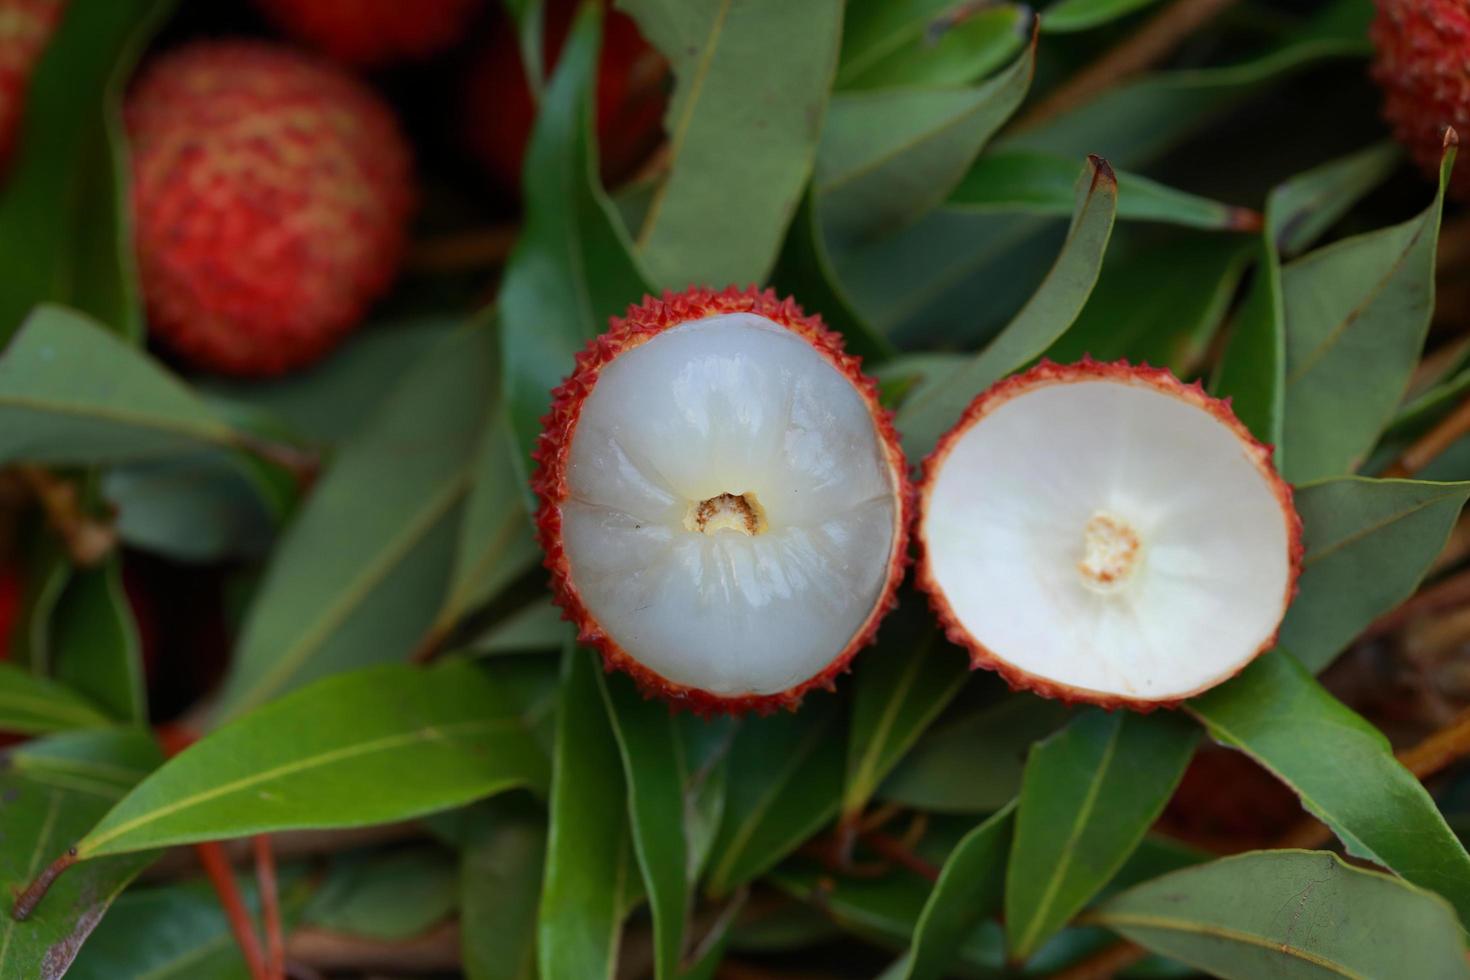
{"x": 724, "y": 503}
{"x": 1106, "y": 533}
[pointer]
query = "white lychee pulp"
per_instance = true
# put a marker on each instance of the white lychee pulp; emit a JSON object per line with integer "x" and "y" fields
{"x": 731, "y": 512}
{"x": 1111, "y": 538}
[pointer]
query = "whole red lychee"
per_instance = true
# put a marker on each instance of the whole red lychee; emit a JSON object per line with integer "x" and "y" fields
{"x": 369, "y": 33}
{"x": 631, "y": 96}
{"x": 724, "y": 503}
{"x": 25, "y": 27}
{"x": 1423, "y": 67}
{"x": 271, "y": 193}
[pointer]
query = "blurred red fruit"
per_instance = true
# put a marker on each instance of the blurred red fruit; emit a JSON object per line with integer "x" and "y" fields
{"x": 25, "y": 27}
{"x": 631, "y": 96}
{"x": 12, "y": 592}
{"x": 368, "y": 33}
{"x": 1423, "y": 67}
{"x": 272, "y": 193}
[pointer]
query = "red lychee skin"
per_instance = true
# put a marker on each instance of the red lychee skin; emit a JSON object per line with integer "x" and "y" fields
{"x": 1049, "y": 373}
{"x": 271, "y": 194}
{"x": 631, "y": 96}
{"x": 1423, "y": 48}
{"x": 25, "y": 28}
{"x": 371, "y": 33}
{"x": 12, "y": 594}
{"x": 643, "y": 322}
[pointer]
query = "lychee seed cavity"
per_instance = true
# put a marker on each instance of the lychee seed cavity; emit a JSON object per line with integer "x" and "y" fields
{"x": 1111, "y": 553}
{"x": 727, "y": 512}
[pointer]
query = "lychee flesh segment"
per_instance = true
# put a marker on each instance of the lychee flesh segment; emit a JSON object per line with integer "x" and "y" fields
{"x": 731, "y": 511}
{"x": 1110, "y": 538}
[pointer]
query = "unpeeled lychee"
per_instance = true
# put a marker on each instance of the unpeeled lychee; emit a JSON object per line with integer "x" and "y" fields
{"x": 25, "y": 27}
{"x": 271, "y": 194}
{"x": 1422, "y": 64}
{"x": 368, "y": 33}
{"x": 724, "y": 503}
{"x": 1106, "y": 533}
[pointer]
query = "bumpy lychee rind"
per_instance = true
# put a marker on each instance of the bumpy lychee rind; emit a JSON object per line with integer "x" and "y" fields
{"x": 370, "y": 33}
{"x": 1050, "y": 373}
{"x": 1422, "y": 52}
{"x": 643, "y": 322}
{"x": 25, "y": 28}
{"x": 271, "y": 197}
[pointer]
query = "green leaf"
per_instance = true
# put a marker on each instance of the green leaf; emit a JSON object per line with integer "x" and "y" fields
{"x": 751, "y": 86}
{"x": 374, "y": 746}
{"x": 588, "y": 858}
{"x": 387, "y": 895}
{"x": 889, "y": 156}
{"x": 931, "y": 410}
{"x": 1290, "y": 914}
{"x": 1357, "y": 313}
{"x": 1089, "y": 794}
{"x": 98, "y": 653}
{"x": 361, "y": 573}
{"x": 46, "y": 808}
{"x": 1342, "y": 768}
{"x": 784, "y": 782}
{"x": 33, "y": 705}
{"x": 970, "y": 889}
{"x": 1079, "y": 15}
{"x": 1369, "y": 543}
{"x": 572, "y": 267}
{"x": 652, "y": 755}
{"x": 929, "y": 42}
{"x": 500, "y": 888}
{"x": 536, "y": 626}
{"x": 901, "y": 686}
{"x": 65, "y": 212}
{"x": 72, "y": 393}
{"x": 1309, "y": 204}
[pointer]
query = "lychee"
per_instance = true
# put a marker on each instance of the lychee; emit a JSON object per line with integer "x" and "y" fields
{"x": 631, "y": 96}
{"x": 1423, "y": 50}
{"x": 272, "y": 193}
{"x": 25, "y": 27}
{"x": 724, "y": 503}
{"x": 1106, "y": 533}
{"x": 370, "y": 33}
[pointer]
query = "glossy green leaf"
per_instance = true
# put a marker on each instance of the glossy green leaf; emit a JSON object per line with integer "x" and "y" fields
{"x": 98, "y": 652}
{"x": 1042, "y": 183}
{"x": 104, "y": 763}
{"x": 1290, "y": 914}
{"x": 751, "y": 87}
{"x": 785, "y": 782}
{"x": 928, "y": 42}
{"x": 1357, "y": 313}
{"x": 373, "y": 746}
{"x": 70, "y": 392}
{"x": 970, "y": 888}
{"x": 46, "y": 808}
{"x": 901, "y": 686}
{"x": 589, "y": 861}
{"x": 1089, "y": 794}
{"x": 889, "y": 156}
{"x": 500, "y": 887}
{"x": 1342, "y": 768}
{"x": 1368, "y": 545}
{"x": 65, "y": 210}
{"x": 33, "y": 705}
{"x": 932, "y": 409}
{"x": 361, "y": 573}
{"x": 387, "y": 895}
{"x": 653, "y": 765}
{"x": 572, "y": 267}
{"x": 1080, "y": 15}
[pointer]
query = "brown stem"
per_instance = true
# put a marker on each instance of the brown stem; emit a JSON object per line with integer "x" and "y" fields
{"x": 302, "y": 464}
{"x": 1105, "y": 963}
{"x": 270, "y": 907}
{"x": 434, "y": 952}
{"x": 27, "y": 900}
{"x": 1442, "y": 596}
{"x": 87, "y": 541}
{"x": 1427, "y": 448}
{"x": 217, "y": 868}
{"x": 1144, "y": 48}
{"x": 899, "y": 853}
{"x": 484, "y": 248}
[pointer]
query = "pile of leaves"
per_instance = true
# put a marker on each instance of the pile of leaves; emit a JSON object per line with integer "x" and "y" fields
{"x": 329, "y": 584}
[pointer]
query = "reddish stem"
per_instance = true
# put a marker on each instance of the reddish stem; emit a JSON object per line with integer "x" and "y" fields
{"x": 217, "y": 867}
{"x": 270, "y": 908}
{"x": 26, "y": 901}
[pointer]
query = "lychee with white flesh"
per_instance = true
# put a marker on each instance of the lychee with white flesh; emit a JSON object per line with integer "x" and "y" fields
{"x": 724, "y": 503}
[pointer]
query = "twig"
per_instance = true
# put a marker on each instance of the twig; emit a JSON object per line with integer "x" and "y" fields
{"x": 30, "y": 897}
{"x": 87, "y": 541}
{"x": 1144, "y": 47}
{"x": 434, "y": 952}
{"x": 270, "y": 907}
{"x": 1105, "y": 963}
{"x": 217, "y": 868}
{"x": 484, "y": 248}
{"x": 302, "y": 464}
{"x": 1428, "y": 447}
{"x": 899, "y": 853}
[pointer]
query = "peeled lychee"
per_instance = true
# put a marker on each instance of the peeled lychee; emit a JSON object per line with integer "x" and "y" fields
{"x": 724, "y": 503}
{"x": 1423, "y": 67}
{"x": 25, "y": 27}
{"x": 1106, "y": 533}
{"x": 369, "y": 33}
{"x": 272, "y": 193}
{"x": 631, "y": 96}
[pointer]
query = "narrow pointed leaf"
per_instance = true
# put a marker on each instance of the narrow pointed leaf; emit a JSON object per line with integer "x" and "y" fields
{"x": 500, "y": 888}
{"x": 33, "y": 705}
{"x": 970, "y": 888}
{"x": 931, "y": 43}
{"x": 98, "y": 652}
{"x": 1065, "y": 16}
